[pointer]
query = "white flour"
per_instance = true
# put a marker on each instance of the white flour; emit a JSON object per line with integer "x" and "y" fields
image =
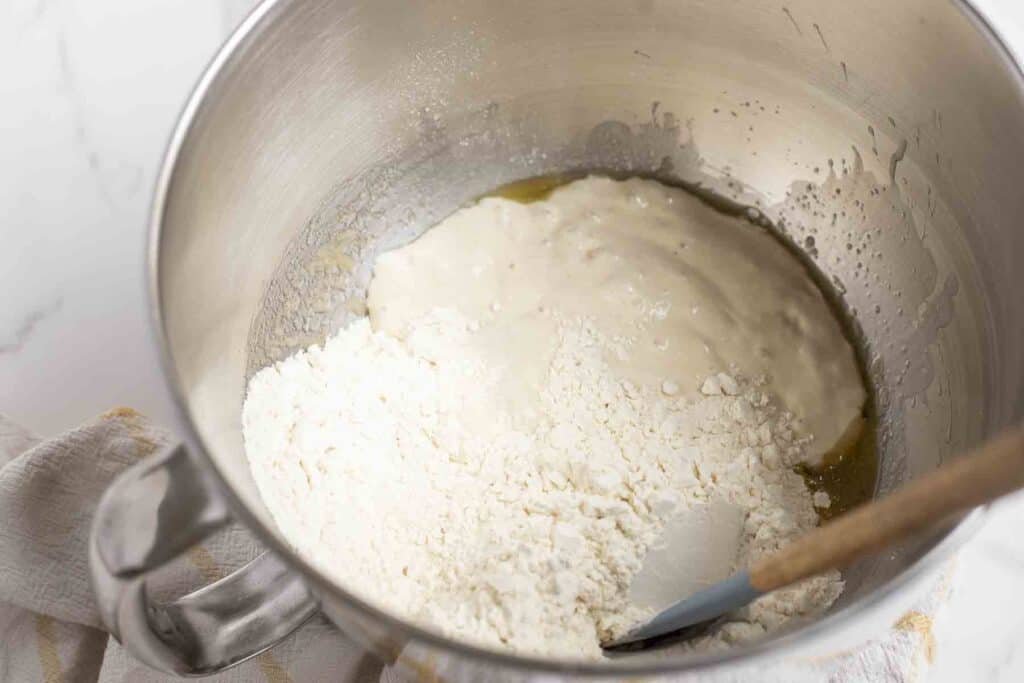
{"x": 395, "y": 461}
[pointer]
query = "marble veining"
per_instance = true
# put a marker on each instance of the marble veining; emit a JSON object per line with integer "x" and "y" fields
{"x": 23, "y": 333}
{"x": 90, "y": 90}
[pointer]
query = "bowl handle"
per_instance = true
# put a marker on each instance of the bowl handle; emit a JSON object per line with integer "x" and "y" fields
{"x": 154, "y": 511}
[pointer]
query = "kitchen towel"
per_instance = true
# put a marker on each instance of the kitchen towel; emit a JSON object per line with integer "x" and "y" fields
{"x": 50, "y": 630}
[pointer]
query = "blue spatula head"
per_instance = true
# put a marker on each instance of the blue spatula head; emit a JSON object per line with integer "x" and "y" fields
{"x": 703, "y": 606}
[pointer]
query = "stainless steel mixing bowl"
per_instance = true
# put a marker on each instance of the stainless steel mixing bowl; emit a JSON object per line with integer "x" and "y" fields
{"x": 882, "y": 138}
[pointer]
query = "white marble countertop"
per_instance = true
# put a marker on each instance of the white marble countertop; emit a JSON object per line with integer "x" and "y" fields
{"x": 89, "y": 90}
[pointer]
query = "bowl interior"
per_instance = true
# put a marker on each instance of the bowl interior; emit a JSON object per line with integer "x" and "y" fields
{"x": 880, "y": 138}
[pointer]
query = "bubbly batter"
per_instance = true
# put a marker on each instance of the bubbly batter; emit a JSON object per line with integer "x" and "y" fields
{"x": 695, "y": 291}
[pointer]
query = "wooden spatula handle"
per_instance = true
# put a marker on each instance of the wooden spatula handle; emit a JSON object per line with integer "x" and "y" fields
{"x": 992, "y": 470}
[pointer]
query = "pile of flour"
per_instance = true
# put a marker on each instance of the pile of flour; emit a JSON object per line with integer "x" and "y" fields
{"x": 413, "y": 465}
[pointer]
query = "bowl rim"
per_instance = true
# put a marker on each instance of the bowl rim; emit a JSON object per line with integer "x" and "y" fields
{"x": 258, "y": 20}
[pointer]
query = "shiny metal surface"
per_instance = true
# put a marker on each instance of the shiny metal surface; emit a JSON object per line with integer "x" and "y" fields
{"x": 156, "y": 510}
{"x": 882, "y": 139}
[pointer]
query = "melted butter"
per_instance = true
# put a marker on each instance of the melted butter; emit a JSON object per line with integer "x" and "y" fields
{"x": 848, "y": 477}
{"x": 849, "y": 472}
{"x": 536, "y": 189}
